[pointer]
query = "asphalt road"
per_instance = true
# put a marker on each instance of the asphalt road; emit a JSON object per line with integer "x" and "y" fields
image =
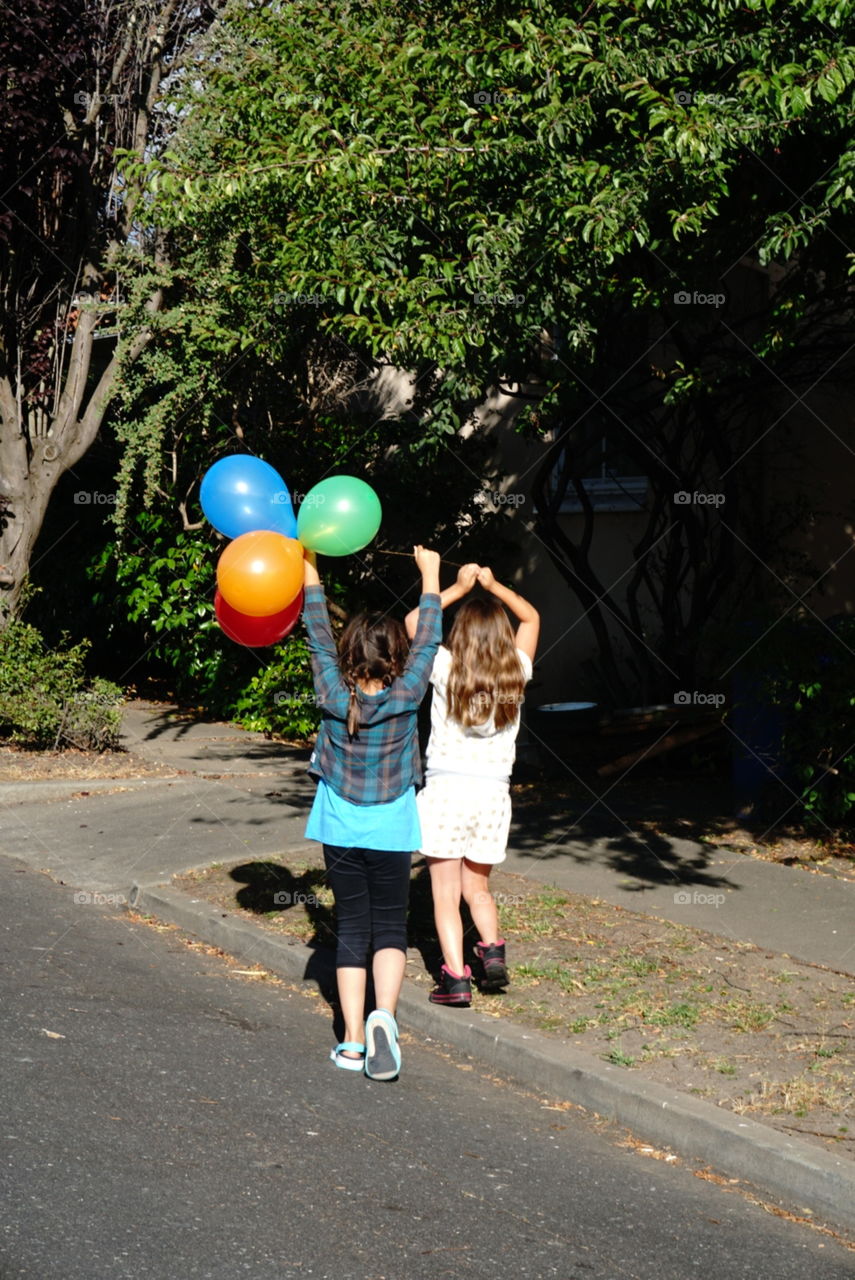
{"x": 164, "y": 1117}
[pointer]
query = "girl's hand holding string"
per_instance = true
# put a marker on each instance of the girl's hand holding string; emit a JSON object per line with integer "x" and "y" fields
{"x": 428, "y": 564}
{"x": 467, "y": 576}
{"x": 426, "y": 559}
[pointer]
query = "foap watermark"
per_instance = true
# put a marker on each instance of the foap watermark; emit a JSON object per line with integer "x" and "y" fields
{"x": 686, "y": 98}
{"x": 683, "y": 898}
{"x": 99, "y": 99}
{"x": 287, "y": 698}
{"x": 285, "y": 98}
{"x": 682, "y": 498}
{"x": 299, "y": 300}
{"x": 697, "y": 698}
{"x": 683, "y": 298}
{"x": 482, "y": 700}
{"x": 504, "y": 499}
{"x": 85, "y": 899}
{"x": 94, "y": 498}
{"x": 492, "y": 97}
{"x": 285, "y": 898}
{"x": 498, "y": 299}
{"x": 94, "y": 698}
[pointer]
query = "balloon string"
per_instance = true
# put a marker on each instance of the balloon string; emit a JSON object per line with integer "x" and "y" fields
{"x": 409, "y": 555}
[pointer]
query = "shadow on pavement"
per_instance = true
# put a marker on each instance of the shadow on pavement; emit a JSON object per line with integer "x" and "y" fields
{"x": 650, "y": 857}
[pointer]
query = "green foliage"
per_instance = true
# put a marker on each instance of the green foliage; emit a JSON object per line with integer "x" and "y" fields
{"x": 281, "y": 698}
{"x": 439, "y": 187}
{"x": 164, "y": 583}
{"x": 804, "y": 671}
{"x": 398, "y": 168}
{"x": 45, "y": 698}
{"x": 94, "y": 717}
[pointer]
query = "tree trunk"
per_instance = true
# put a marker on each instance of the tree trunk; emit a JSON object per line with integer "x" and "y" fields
{"x": 31, "y": 463}
{"x": 26, "y": 487}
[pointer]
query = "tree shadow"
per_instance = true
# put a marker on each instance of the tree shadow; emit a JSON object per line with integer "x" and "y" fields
{"x": 653, "y": 826}
{"x": 273, "y": 887}
{"x": 627, "y": 850}
{"x": 179, "y": 722}
{"x": 270, "y": 887}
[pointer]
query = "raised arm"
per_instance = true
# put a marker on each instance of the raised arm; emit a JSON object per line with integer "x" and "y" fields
{"x": 322, "y": 646}
{"x": 466, "y": 579}
{"x": 428, "y": 563}
{"x": 416, "y": 673}
{"x": 529, "y": 619}
{"x": 311, "y": 577}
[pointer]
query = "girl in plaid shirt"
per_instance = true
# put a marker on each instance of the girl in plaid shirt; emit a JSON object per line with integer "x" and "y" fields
{"x": 366, "y": 760}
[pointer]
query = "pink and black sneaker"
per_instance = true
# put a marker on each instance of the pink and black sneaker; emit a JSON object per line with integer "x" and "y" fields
{"x": 494, "y": 973}
{"x": 452, "y": 988}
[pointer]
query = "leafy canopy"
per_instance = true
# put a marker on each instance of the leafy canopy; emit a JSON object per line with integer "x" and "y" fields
{"x": 439, "y": 185}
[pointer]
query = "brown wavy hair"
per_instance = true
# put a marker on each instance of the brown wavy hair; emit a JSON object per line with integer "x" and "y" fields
{"x": 371, "y": 647}
{"x": 486, "y": 676}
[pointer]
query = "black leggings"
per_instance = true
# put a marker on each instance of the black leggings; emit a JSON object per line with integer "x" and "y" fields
{"x": 371, "y": 889}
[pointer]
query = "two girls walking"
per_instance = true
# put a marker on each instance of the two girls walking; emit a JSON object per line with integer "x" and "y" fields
{"x": 366, "y": 760}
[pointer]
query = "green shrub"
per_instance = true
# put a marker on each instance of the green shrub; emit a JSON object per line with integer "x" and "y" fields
{"x": 45, "y": 698}
{"x": 93, "y": 718}
{"x": 163, "y": 583}
{"x": 281, "y": 698}
{"x": 805, "y": 673}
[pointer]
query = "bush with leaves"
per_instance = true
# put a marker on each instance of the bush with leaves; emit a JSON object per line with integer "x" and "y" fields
{"x": 45, "y": 698}
{"x": 798, "y": 683}
{"x": 163, "y": 582}
{"x": 281, "y": 698}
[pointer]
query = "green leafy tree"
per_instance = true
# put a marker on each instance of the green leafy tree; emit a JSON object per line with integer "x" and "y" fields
{"x": 518, "y": 199}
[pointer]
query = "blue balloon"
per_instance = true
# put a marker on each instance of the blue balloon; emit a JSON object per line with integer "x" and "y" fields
{"x": 240, "y": 494}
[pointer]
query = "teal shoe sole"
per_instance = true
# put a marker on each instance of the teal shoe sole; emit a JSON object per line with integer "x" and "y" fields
{"x": 382, "y": 1057}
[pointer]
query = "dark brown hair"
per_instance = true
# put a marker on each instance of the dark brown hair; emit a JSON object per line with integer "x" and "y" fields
{"x": 486, "y": 676}
{"x": 372, "y": 646}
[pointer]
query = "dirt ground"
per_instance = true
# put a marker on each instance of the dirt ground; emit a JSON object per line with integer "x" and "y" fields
{"x": 17, "y": 765}
{"x": 758, "y": 1033}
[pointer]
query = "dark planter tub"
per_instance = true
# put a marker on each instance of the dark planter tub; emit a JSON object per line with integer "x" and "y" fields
{"x": 557, "y": 730}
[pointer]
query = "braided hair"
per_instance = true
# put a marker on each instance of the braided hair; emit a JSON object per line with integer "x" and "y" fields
{"x": 372, "y": 646}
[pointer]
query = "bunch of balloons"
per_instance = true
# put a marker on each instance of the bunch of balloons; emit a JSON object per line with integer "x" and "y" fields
{"x": 260, "y": 574}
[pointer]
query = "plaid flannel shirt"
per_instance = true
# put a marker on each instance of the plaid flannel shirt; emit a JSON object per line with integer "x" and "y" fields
{"x": 383, "y": 761}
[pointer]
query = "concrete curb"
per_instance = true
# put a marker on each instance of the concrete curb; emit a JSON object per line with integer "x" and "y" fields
{"x": 803, "y": 1176}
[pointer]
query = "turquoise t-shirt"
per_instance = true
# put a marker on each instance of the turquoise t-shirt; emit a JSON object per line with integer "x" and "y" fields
{"x": 391, "y": 826}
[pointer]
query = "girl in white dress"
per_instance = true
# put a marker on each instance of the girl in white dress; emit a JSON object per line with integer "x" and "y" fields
{"x": 465, "y": 807}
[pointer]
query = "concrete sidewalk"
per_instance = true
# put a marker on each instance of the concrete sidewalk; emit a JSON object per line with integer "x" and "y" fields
{"x": 234, "y": 795}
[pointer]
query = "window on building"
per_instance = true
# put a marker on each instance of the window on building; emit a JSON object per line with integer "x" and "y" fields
{"x": 608, "y": 473}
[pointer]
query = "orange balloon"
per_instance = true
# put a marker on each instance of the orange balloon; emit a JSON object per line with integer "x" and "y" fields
{"x": 260, "y": 572}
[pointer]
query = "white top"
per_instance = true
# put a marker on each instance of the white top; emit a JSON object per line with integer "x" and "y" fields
{"x": 481, "y": 751}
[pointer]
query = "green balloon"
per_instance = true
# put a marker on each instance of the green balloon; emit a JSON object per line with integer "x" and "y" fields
{"x": 338, "y": 516}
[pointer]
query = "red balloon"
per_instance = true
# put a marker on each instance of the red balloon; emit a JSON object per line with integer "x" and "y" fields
{"x": 255, "y": 632}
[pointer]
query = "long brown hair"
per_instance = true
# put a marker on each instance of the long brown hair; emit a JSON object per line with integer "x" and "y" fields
{"x": 486, "y": 676}
{"x": 371, "y": 647}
